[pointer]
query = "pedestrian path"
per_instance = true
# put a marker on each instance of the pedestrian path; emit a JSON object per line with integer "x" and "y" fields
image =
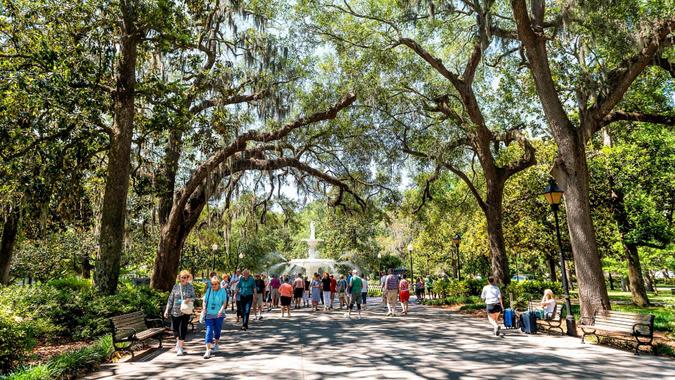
{"x": 429, "y": 343}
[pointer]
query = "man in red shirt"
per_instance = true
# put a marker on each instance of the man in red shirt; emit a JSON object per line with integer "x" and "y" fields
{"x": 333, "y": 290}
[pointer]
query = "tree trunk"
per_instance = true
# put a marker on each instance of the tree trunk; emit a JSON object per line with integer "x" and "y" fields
{"x": 171, "y": 242}
{"x": 572, "y": 172}
{"x": 624, "y": 284}
{"x": 85, "y": 266}
{"x": 611, "y": 281}
{"x": 113, "y": 213}
{"x": 637, "y": 285}
{"x": 10, "y": 230}
{"x": 493, "y": 214}
{"x": 552, "y": 263}
{"x": 650, "y": 283}
{"x": 166, "y": 178}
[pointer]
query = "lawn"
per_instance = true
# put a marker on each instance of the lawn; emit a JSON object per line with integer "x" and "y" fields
{"x": 664, "y": 313}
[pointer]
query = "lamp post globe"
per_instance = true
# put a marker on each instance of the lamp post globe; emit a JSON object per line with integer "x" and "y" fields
{"x": 553, "y": 195}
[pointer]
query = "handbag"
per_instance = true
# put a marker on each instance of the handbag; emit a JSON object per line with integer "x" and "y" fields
{"x": 186, "y": 307}
{"x": 202, "y": 315}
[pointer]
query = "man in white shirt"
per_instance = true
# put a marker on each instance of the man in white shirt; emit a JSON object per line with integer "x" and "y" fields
{"x": 494, "y": 303}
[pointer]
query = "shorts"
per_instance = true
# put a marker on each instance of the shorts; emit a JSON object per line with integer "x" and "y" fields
{"x": 275, "y": 293}
{"x": 404, "y": 295}
{"x": 297, "y": 292}
{"x": 258, "y": 301}
{"x": 391, "y": 296}
{"x": 356, "y": 298}
{"x": 494, "y": 308}
{"x": 285, "y": 301}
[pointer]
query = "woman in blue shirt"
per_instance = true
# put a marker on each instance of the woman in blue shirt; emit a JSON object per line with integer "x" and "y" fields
{"x": 215, "y": 300}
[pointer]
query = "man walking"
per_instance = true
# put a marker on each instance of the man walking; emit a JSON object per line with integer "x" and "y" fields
{"x": 494, "y": 303}
{"x": 246, "y": 290}
{"x": 356, "y": 284}
{"x": 390, "y": 292}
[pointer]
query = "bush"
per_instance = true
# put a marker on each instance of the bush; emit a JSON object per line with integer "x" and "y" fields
{"x": 68, "y": 364}
{"x": 72, "y": 309}
{"x": 524, "y": 291}
{"x": 475, "y": 286}
{"x": 16, "y": 342}
{"x": 70, "y": 283}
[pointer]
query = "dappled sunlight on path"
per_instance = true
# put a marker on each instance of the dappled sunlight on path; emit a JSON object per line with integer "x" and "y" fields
{"x": 429, "y": 343}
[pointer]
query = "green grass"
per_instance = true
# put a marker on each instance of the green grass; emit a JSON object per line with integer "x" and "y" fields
{"x": 67, "y": 364}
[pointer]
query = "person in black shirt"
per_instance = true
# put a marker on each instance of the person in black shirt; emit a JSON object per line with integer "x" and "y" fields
{"x": 325, "y": 287}
{"x": 258, "y": 301}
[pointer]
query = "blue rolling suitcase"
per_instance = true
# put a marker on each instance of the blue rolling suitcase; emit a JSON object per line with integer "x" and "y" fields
{"x": 510, "y": 321}
{"x": 528, "y": 322}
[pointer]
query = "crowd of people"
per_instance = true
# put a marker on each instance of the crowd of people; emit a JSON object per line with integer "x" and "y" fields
{"x": 258, "y": 293}
{"x": 254, "y": 294}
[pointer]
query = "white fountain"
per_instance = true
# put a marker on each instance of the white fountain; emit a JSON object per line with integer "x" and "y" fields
{"x": 312, "y": 264}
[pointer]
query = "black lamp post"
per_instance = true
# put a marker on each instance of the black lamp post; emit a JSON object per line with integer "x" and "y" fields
{"x": 553, "y": 195}
{"x": 410, "y": 250}
{"x": 456, "y": 240}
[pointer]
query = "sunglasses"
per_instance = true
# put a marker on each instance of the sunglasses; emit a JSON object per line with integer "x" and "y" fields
{"x": 215, "y": 284}
{"x": 184, "y": 277}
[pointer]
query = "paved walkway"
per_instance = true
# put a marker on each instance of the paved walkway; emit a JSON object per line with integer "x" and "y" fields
{"x": 427, "y": 344}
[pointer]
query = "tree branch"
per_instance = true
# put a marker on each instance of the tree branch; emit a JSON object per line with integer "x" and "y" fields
{"x": 239, "y": 144}
{"x": 623, "y": 76}
{"x": 637, "y": 116}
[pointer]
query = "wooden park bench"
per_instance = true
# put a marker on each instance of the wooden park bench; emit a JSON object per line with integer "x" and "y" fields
{"x": 128, "y": 329}
{"x": 639, "y": 326}
{"x": 555, "y": 323}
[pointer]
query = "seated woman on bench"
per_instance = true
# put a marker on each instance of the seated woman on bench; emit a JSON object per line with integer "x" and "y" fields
{"x": 548, "y": 304}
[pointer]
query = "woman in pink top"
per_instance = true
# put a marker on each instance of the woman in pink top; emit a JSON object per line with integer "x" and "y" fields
{"x": 404, "y": 294}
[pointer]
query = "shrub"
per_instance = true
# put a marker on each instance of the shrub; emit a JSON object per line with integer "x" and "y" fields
{"x": 16, "y": 342}
{"x": 475, "y": 286}
{"x": 70, "y": 283}
{"x": 524, "y": 291}
{"x": 68, "y": 364}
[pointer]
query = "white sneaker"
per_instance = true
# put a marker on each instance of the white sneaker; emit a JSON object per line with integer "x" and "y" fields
{"x": 176, "y": 348}
{"x": 179, "y": 352}
{"x": 207, "y": 354}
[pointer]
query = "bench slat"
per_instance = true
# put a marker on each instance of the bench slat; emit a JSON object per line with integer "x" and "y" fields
{"x": 135, "y": 314}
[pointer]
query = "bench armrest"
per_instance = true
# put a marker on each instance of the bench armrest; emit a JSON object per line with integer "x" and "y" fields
{"x": 159, "y": 322}
{"x": 647, "y": 325}
{"x": 588, "y": 321}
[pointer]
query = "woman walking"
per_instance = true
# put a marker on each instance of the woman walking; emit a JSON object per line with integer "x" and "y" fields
{"x": 494, "y": 303}
{"x": 404, "y": 294}
{"x": 286, "y": 292}
{"x": 215, "y": 303}
{"x": 316, "y": 292}
{"x": 180, "y": 305}
{"x": 325, "y": 286}
{"x": 419, "y": 290}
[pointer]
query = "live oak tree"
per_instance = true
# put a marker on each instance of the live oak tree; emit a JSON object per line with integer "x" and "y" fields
{"x": 583, "y": 59}
{"x": 51, "y": 120}
{"x": 253, "y": 150}
{"x": 440, "y": 123}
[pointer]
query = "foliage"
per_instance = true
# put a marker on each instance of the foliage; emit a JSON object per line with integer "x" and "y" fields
{"x": 67, "y": 365}
{"x": 72, "y": 309}
{"x": 464, "y": 300}
{"x": 529, "y": 290}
